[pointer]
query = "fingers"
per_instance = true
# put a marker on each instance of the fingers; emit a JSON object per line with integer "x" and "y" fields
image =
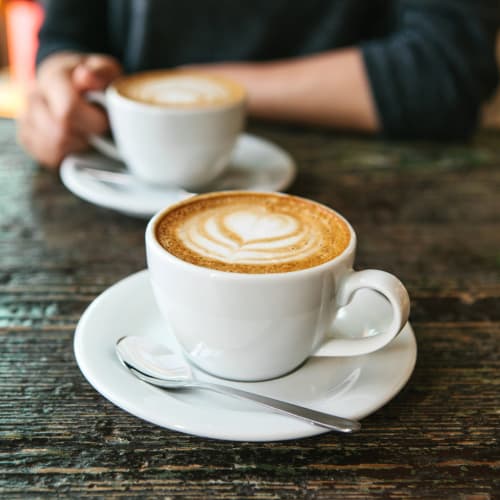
{"x": 63, "y": 86}
{"x": 47, "y": 139}
{"x": 58, "y": 119}
{"x": 67, "y": 103}
{"x": 54, "y": 83}
{"x": 95, "y": 72}
{"x": 88, "y": 119}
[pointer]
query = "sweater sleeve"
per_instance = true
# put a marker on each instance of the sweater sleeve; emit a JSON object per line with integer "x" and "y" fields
{"x": 430, "y": 75}
{"x": 74, "y": 25}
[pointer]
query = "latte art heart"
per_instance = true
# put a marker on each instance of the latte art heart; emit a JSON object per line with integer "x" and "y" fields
{"x": 257, "y": 224}
{"x": 252, "y": 232}
{"x": 249, "y": 236}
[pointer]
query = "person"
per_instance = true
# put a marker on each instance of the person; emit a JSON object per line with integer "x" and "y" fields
{"x": 403, "y": 69}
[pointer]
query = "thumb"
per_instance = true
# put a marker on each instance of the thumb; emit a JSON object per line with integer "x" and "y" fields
{"x": 95, "y": 72}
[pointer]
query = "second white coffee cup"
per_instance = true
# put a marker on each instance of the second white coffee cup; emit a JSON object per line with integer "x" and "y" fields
{"x": 185, "y": 141}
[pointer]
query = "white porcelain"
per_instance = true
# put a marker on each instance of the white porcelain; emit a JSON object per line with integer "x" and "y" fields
{"x": 255, "y": 164}
{"x": 168, "y": 146}
{"x": 260, "y": 326}
{"x": 351, "y": 387}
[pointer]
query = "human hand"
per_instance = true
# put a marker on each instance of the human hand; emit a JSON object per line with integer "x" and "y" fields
{"x": 58, "y": 119}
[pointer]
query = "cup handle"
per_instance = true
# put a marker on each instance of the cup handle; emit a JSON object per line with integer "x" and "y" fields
{"x": 392, "y": 289}
{"x": 102, "y": 144}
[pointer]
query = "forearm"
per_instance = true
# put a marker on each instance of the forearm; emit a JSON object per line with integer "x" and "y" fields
{"x": 329, "y": 89}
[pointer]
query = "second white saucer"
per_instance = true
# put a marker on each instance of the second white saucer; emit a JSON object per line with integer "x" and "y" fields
{"x": 256, "y": 164}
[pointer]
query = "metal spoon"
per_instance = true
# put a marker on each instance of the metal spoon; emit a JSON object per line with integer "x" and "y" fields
{"x": 122, "y": 179}
{"x": 110, "y": 176}
{"x": 157, "y": 365}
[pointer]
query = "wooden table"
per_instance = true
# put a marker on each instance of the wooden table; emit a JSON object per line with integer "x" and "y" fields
{"x": 429, "y": 213}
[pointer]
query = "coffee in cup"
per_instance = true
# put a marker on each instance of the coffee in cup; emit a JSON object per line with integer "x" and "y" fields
{"x": 180, "y": 89}
{"x": 249, "y": 283}
{"x": 253, "y": 233}
{"x": 172, "y": 128}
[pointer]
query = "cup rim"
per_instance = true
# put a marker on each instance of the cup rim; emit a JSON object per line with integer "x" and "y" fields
{"x": 112, "y": 92}
{"x": 151, "y": 240}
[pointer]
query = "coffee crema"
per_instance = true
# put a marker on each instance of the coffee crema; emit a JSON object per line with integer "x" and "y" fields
{"x": 179, "y": 89}
{"x": 255, "y": 233}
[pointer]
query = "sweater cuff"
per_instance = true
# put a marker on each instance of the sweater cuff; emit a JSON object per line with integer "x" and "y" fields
{"x": 377, "y": 66}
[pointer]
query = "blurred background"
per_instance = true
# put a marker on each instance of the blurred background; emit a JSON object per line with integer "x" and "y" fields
{"x": 19, "y": 24}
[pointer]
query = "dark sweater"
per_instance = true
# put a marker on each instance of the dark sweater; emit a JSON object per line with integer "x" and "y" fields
{"x": 430, "y": 63}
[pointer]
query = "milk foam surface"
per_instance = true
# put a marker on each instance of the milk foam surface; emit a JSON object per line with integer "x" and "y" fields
{"x": 179, "y": 89}
{"x": 255, "y": 233}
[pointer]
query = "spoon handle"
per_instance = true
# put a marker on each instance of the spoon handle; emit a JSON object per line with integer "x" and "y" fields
{"x": 111, "y": 176}
{"x": 311, "y": 416}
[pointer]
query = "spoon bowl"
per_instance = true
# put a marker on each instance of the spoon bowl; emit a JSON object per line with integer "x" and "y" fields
{"x": 153, "y": 360}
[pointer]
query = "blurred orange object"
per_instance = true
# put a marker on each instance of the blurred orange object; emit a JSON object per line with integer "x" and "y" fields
{"x": 22, "y": 22}
{"x": 23, "y": 19}
{"x": 11, "y": 96}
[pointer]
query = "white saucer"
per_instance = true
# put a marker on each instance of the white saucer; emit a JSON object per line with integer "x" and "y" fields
{"x": 349, "y": 387}
{"x": 256, "y": 164}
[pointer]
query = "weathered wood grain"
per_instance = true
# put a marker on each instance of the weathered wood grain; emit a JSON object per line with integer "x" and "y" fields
{"x": 430, "y": 213}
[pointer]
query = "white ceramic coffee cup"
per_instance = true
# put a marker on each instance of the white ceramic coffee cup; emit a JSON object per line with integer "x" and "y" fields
{"x": 259, "y": 326}
{"x": 169, "y": 146}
